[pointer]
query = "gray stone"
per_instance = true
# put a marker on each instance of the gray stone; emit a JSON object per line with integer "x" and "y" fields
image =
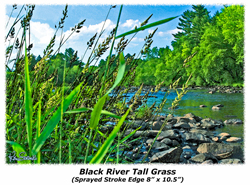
{"x": 182, "y": 119}
{"x": 204, "y": 132}
{"x": 208, "y": 162}
{"x": 157, "y": 125}
{"x": 167, "y": 141}
{"x": 192, "y": 116}
{"x": 209, "y": 123}
{"x": 182, "y": 125}
{"x": 169, "y": 156}
{"x": 221, "y": 151}
{"x": 230, "y": 161}
{"x": 196, "y": 137}
{"x": 175, "y": 143}
{"x": 199, "y": 158}
{"x": 168, "y": 134}
{"x": 233, "y": 122}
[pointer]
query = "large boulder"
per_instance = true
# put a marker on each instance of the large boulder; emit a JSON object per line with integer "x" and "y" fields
{"x": 169, "y": 156}
{"x": 221, "y": 151}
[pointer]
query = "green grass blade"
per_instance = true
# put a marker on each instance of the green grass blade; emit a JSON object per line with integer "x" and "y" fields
{"x": 19, "y": 149}
{"x": 83, "y": 109}
{"x": 104, "y": 148}
{"x": 70, "y": 156}
{"x": 146, "y": 27}
{"x": 110, "y": 52}
{"x": 54, "y": 121}
{"x": 130, "y": 134}
{"x": 60, "y": 126}
{"x": 121, "y": 71}
{"x": 96, "y": 113}
{"x": 38, "y": 130}
{"x": 28, "y": 99}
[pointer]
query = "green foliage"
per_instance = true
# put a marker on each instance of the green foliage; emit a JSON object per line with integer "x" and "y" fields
{"x": 215, "y": 45}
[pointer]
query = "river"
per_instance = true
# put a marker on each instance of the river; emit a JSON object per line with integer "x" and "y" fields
{"x": 233, "y": 107}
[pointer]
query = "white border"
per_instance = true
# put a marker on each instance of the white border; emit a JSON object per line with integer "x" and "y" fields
{"x": 62, "y": 174}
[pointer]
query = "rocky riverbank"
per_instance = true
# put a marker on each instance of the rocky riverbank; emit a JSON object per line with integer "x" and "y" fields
{"x": 185, "y": 140}
{"x": 211, "y": 90}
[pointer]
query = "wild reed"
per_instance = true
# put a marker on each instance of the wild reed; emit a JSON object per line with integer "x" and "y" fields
{"x": 65, "y": 126}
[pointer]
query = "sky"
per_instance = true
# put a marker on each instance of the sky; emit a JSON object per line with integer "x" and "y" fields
{"x": 45, "y": 17}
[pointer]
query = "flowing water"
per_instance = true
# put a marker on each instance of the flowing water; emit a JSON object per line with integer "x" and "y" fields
{"x": 233, "y": 107}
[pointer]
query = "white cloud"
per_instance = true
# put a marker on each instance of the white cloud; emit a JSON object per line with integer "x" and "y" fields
{"x": 151, "y": 30}
{"x": 41, "y": 32}
{"x": 174, "y": 31}
{"x": 130, "y": 23}
{"x": 169, "y": 32}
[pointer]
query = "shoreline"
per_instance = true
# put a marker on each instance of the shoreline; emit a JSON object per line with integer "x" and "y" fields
{"x": 187, "y": 139}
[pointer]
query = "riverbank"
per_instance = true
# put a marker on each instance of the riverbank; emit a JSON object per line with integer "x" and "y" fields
{"x": 211, "y": 90}
{"x": 189, "y": 139}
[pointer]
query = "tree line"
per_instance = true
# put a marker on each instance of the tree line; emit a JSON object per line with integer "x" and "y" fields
{"x": 213, "y": 44}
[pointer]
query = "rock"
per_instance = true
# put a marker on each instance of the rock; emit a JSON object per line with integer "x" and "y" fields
{"x": 157, "y": 125}
{"x": 208, "y": 162}
{"x": 204, "y": 132}
{"x": 215, "y": 139}
{"x": 223, "y": 136}
{"x": 209, "y": 123}
{"x": 230, "y": 161}
{"x": 192, "y": 116}
{"x": 169, "y": 156}
{"x": 216, "y": 108}
{"x": 181, "y": 125}
{"x": 221, "y": 151}
{"x": 233, "y": 139}
{"x": 186, "y": 147}
{"x": 233, "y": 121}
{"x": 168, "y": 134}
{"x": 167, "y": 141}
{"x": 175, "y": 143}
{"x": 196, "y": 137}
{"x": 172, "y": 121}
{"x": 140, "y": 123}
{"x": 182, "y": 120}
{"x": 157, "y": 144}
{"x": 211, "y": 92}
{"x": 202, "y": 106}
{"x": 199, "y": 158}
{"x": 218, "y": 105}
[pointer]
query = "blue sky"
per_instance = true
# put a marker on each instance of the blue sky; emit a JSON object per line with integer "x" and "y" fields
{"x": 45, "y": 18}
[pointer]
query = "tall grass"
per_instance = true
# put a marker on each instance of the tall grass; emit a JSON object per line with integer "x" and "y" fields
{"x": 87, "y": 106}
